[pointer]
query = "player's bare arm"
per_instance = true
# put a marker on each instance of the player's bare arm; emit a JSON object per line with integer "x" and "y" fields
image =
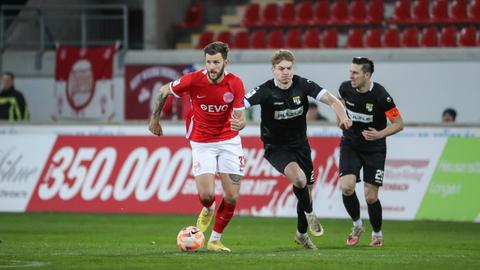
{"x": 238, "y": 121}
{"x": 372, "y": 134}
{"x": 342, "y": 119}
{"x": 154, "y": 125}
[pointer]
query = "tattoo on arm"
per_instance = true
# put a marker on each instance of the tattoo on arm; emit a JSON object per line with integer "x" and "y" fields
{"x": 235, "y": 178}
{"x": 159, "y": 103}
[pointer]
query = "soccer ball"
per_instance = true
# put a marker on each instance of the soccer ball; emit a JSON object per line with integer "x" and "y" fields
{"x": 190, "y": 238}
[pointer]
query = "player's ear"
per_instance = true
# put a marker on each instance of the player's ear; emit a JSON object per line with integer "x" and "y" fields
{"x": 226, "y": 61}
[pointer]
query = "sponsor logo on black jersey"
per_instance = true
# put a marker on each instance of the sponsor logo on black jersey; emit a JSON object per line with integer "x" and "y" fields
{"x": 360, "y": 117}
{"x": 288, "y": 113}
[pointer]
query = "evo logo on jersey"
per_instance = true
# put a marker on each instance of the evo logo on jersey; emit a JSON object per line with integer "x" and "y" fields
{"x": 360, "y": 117}
{"x": 214, "y": 108}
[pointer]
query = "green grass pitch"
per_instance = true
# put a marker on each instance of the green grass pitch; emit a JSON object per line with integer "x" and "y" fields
{"x": 89, "y": 241}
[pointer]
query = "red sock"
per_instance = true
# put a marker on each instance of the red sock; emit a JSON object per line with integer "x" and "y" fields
{"x": 207, "y": 203}
{"x": 223, "y": 217}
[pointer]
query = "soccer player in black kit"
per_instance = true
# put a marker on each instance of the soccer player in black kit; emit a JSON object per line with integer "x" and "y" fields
{"x": 368, "y": 105}
{"x": 284, "y": 105}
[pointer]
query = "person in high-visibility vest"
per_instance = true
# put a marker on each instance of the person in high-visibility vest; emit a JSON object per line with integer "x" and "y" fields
{"x": 13, "y": 106}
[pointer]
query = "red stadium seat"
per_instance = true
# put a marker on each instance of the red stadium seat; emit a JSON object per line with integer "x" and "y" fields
{"x": 420, "y": 12}
{"x": 357, "y": 11}
{"x": 294, "y": 38}
{"x": 391, "y": 37}
{"x": 373, "y": 38}
{"x": 440, "y": 11}
{"x": 257, "y": 39}
{"x": 339, "y": 15}
{"x": 448, "y": 37}
{"x": 275, "y": 39}
{"x": 252, "y": 15}
{"x": 321, "y": 12}
{"x": 193, "y": 16}
{"x": 458, "y": 11}
{"x": 304, "y": 14}
{"x": 240, "y": 40}
{"x": 205, "y": 38}
{"x": 375, "y": 12}
{"x": 474, "y": 11}
{"x": 269, "y": 15}
{"x": 409, "y": 37}
{"x": 355, "y": 38}
{"x": 287, "y": 14}
{"x": 311, "y": 38}
{"x": 468, "y": 37}
{"x": 429, "y": 37}
{"x": 225, "y": 37}
{"x": 330, "y": 38}
{"x": 401, "y": 12}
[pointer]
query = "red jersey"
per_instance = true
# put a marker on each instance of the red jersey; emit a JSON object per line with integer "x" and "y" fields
{"x": 212, "y": 105}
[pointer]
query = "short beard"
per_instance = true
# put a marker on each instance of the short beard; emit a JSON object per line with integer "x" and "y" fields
{"x": 218, "y": 76}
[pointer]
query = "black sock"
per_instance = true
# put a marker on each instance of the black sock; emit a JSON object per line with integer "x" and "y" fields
{"x": 302, "y": 223}
{"x": 303, "y": 198}
{"x": 352, "y": 205}
{"x": 375, "y": 213}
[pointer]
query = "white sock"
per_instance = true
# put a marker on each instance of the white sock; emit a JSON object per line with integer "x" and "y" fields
{"x": 358, "y": 223}
{"x": 215, "y": 236}
{"x": 377, "y": 233}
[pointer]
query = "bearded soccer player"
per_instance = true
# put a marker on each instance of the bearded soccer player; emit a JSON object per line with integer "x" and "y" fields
{"x": 364, "y": 146}
{"x": 284, "y": 105}
{"x": 218, "y": 114}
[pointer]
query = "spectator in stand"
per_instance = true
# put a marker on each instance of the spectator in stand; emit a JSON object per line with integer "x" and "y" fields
{"x": 13, "y": 106}
{"x": 313, "y": 113}
{"x": 449, "y": 115}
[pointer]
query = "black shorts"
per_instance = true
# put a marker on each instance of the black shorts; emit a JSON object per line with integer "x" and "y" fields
{"x": 373, "y": 164}
{"x": 280, "y": 155}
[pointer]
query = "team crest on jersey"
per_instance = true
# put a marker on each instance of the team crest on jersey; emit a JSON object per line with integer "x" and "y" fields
{"x": 228, "y": 97}
{"x": 296, "y": 100}
{"x": 369, "y": 107}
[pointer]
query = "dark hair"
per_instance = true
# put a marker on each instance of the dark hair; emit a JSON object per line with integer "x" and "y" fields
{"x": 450, "y": 111}
{"x": 217, "y": 47}
{"x": 367, "y": 64}
{"x": 9, "y": 73}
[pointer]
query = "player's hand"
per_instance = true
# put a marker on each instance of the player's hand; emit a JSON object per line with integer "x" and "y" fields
{"x": 236, "y": 124}
{"x": 371, "y": 134}
{"x": 155, "y": 127}
{"x": 345, "y": 124}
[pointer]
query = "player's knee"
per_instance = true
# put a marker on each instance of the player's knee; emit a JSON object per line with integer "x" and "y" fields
{"x": 231, "y": 198}
{"x": 347, "y": 190}
{"x": 371, "y": 199}
{"x": 299, "y": 181}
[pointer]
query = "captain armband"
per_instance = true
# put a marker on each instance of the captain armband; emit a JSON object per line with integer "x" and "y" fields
{"x": 392, "y": 113}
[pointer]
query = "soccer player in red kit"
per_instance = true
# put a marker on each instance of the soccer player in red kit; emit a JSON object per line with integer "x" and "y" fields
{"x": 218, "y": 114}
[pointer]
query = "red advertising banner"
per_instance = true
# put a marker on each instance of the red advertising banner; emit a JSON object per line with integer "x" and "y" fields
{"x": 146, "y": 174}
{"x": 141, "y": 82}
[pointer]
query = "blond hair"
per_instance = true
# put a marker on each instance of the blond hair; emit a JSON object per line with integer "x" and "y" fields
{"x": 281, "y": 55}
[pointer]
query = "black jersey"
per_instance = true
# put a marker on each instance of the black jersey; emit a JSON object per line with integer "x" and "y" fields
{"x": 283, "y": 112}
{"x": 366, "y": 110}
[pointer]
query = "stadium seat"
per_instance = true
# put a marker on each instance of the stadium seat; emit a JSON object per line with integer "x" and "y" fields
{"x": 252, "y": 15}
{"x": 409, "y": 37}
{"x": 458, "y": 11}
{"x": 294, "y": 38}
{"x": 269, "y": 15}
{"x": 448, "y": 37}
{"x": 429, "y": 37}
{"x": 330, "y": 38}
{"x": 339, "y": 15}
{"x": 287, "y": 14}
{"x": 391, "y": 37}
{"x": 304, "y": 14}
{"x": 225, "y": 36}
{"x": 321, "y": 12}
{"x": 468, "y": 37}
{"x": 311, "y": 38}
{"x": 240, "y": 41}
{"x": 193, "y": 16}
{"x": 355, "y": 38}
{"x": 420, "y": 12}
{"x": 205, "y": 38}
{"x": 275, "y": 39}
{"x": 401, "y": 12}
{"x": 440, "y": 12}
{"x": 257, "y": 39}
{"x": 373, "y": 38}
{"x": 474, "y": 11}
{"x": 357, "y": 11}
{"x": 375, "y": 12}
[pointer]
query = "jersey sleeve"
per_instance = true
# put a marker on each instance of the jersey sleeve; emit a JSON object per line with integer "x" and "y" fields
{"x": 254, "y": 97}
{"x": 239, "y": 90}
{"x": 181, "y": 86}
{"x": 313, "y": 89}
{"x": 386, "y": 101}
{"x": 341, "y": 90}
